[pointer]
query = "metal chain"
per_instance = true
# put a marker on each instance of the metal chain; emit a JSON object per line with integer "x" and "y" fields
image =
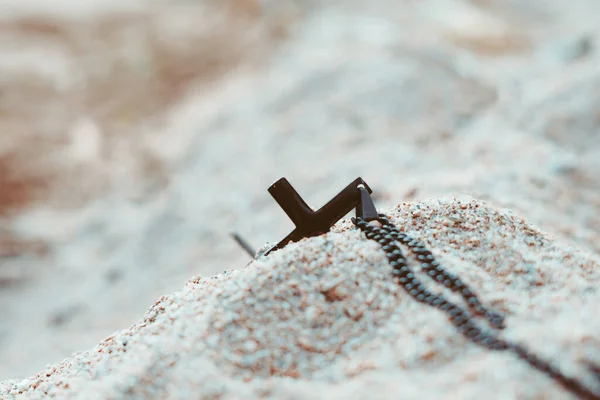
{"x": 434, "y": 270}
{"x": 388, "y": 236}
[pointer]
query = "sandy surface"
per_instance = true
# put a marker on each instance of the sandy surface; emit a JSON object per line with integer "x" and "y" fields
{"x": 137, "y": 139}
{"x": 323, "y": 319}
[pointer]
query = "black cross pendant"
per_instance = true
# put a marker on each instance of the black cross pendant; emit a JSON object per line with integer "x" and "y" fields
{"x": 313, "y": 223}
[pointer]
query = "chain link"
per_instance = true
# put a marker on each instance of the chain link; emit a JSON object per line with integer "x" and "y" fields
{"x": 388, "y": 236}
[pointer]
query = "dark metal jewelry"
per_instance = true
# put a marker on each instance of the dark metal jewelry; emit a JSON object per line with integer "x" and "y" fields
{"x": 357, "y": 195}
{"x": 388, "y": 236}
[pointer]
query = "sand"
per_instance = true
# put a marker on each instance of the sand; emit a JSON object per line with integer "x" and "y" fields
{"x": 136, "y": 137}
{"x": 322, "y": 319}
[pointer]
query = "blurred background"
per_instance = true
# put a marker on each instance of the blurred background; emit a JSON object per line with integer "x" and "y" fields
{"x": 135, "y": 136}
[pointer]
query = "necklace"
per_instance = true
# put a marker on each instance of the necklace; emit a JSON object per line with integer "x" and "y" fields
{"x": 388, "y": 235}
{"x": 379, "y": 228}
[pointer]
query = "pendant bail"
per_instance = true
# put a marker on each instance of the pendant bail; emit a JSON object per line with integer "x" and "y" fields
{"x": 366, "y": 210}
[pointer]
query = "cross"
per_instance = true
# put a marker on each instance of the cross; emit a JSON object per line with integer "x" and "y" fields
{"x": 313, "y": 223}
